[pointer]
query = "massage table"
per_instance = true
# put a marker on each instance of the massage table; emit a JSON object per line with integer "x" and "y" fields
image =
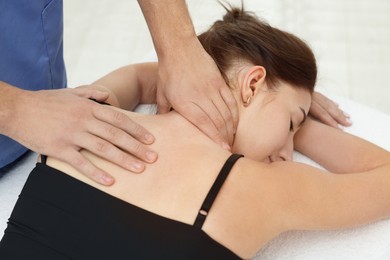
{"x": 367, "y": 242}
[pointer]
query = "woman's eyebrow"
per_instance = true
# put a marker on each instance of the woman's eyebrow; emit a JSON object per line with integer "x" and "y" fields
{"x": 304, "y": 117}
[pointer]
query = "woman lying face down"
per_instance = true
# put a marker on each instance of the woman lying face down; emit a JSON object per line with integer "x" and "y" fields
{"x": 166, "y": 212}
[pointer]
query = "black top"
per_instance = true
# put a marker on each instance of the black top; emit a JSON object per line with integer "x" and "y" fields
{"x": 60, "y": 217}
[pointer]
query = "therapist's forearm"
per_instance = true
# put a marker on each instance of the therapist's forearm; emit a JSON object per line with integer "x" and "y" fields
{"x": 9, "y": 98}
{"x": 169, "y": 23}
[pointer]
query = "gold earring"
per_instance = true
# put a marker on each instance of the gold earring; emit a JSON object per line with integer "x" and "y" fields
{"x": 248, "y": 101}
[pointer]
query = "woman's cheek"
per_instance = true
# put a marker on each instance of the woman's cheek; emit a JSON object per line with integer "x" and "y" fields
{"x": 280, "y": 141}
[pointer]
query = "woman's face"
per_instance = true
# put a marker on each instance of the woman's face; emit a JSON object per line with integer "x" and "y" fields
{"x": 268, "y": 124}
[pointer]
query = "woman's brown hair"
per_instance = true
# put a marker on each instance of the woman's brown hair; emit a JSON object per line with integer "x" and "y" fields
{"x": 241, "y": 35}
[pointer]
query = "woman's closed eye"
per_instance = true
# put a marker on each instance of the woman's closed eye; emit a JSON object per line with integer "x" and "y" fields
{"x": 301, "y": 123}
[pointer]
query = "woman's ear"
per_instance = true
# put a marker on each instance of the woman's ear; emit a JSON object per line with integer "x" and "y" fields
{"x": 253, "y": 80}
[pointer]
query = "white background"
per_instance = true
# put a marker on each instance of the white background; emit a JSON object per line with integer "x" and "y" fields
{"x": 351, "y": 39}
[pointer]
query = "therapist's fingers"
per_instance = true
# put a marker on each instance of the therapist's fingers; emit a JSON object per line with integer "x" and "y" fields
{"x": 163, "y": 105}
{"x": 214, "y": 109}
{"x": 121, "y": 121}
{"x": 110, "y": 152}
{"x": 224, "y": 117}
{"x": 82, "y": 164}
{"x": 119, "y": 130}
{"x": 203, "y": 113}
{"x": 118, "y": 147}
{"x": 232, "y": 106}
{"x": 65, "y": 123}
{"x": 208, "y": 119}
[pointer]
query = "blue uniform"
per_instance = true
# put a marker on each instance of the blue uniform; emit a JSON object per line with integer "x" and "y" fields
{"x": 31, "y": 53}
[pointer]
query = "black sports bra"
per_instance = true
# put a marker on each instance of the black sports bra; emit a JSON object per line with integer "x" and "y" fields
{"x": 59, "y": 217}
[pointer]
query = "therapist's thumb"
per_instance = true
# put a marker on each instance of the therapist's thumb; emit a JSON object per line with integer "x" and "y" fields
{"x": 163, "y": 105}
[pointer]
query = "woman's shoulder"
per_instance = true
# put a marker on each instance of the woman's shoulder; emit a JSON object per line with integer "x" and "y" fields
{"x": 246, "y": 214}
{"x": 268, "y": 199}
{"x": 265, "y": 200}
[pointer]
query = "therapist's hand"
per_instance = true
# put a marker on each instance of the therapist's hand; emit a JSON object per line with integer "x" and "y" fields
{"x": 189, "y": 82}
{"x": 59, "y": 123}
{"x": 328, "y": 112}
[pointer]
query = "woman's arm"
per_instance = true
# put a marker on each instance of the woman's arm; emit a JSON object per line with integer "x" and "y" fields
{"x": 295, "y": 196}
{"x": 314, "y": 199}
{"x": 310, "y": 199}
{"x": 337, "y": 151}
{"x": 130, "y": 85}
{"x": 269, "y": 199}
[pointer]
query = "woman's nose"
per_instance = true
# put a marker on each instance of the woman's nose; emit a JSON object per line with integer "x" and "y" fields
{"x": 286, "y": 153}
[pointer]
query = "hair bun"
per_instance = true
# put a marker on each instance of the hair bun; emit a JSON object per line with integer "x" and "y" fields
{"x": 233, "y": 14}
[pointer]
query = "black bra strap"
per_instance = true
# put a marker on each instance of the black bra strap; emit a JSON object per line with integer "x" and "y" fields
{"x": 43, "y": 158}
{"x": 219, "y": 181}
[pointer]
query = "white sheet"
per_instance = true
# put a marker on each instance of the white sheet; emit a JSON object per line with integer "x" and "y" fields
{"x": 367, "y": 242}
